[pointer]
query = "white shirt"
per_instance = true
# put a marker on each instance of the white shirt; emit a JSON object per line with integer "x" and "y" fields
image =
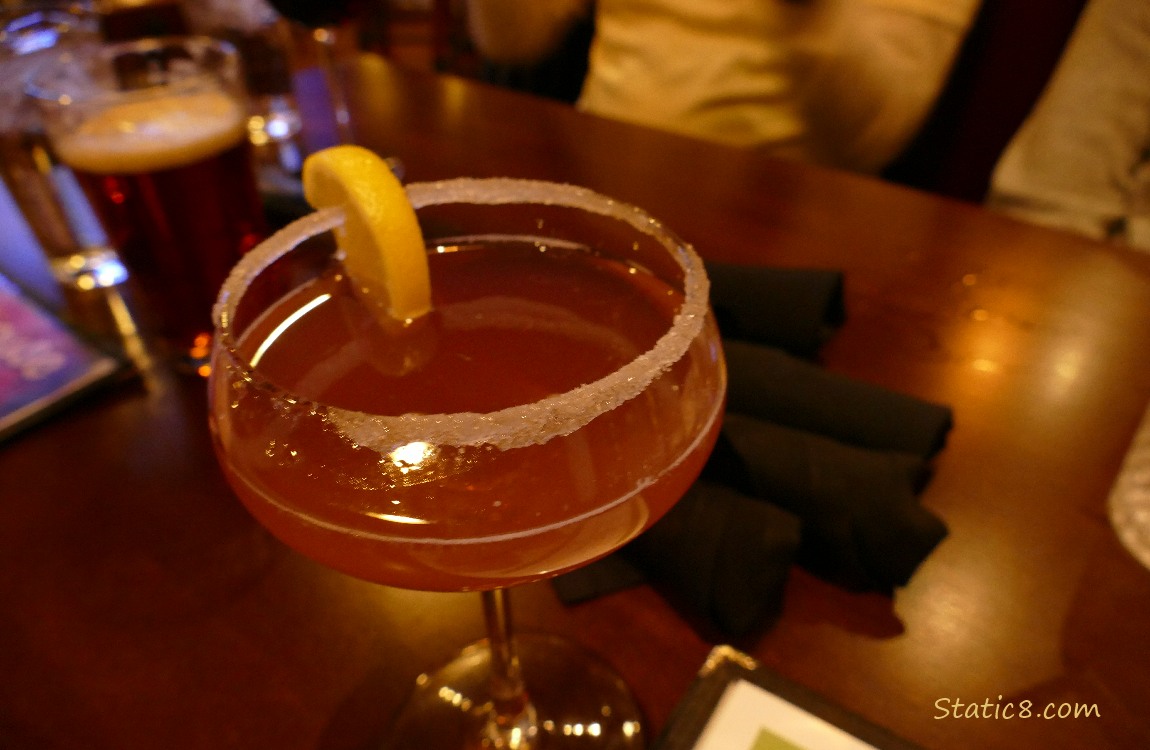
{"x": 840, "y": 82}
{"x": 1080, "y": 160}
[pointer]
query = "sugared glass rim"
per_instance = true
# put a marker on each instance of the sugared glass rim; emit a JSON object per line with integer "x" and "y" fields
{"x": 512, "y": 427}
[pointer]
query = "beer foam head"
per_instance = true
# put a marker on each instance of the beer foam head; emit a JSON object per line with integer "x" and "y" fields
{"x": 156, "y": 133}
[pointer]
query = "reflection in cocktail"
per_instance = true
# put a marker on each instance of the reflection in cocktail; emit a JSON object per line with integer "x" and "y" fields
{"x": 560, "y": 398}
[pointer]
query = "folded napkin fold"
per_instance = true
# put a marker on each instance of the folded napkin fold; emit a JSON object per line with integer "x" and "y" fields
{"x": 769, "y": 384}
{"x": 811, "y": 468}
{"x": 793, "y": 309}
{"x": 718, "y": 553}
{"x": 862, "y": 524}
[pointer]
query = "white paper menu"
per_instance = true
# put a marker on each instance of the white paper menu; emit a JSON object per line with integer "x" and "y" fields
{"x": 747, "y": 717}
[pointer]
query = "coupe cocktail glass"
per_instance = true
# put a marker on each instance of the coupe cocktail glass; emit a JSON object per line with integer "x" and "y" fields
{"x": 563, "y": 394}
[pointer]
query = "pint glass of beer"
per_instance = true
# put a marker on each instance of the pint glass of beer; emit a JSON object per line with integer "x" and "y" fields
{"x": 156, "y": 132}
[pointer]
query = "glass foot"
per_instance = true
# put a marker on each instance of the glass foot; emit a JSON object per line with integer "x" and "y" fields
{"x": 577, "y": 701}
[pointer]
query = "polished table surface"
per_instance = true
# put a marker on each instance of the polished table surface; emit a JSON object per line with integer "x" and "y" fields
{"x": 141, "y": 607}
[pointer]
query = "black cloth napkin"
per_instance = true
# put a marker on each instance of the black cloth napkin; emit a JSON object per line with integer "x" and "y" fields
{"x": 793, "y": 309}
{"x": 862, "y": 524}
{"x": 810, "y": 468}
{"x": 772, "y": 385}
{"x": 718, "y": 553}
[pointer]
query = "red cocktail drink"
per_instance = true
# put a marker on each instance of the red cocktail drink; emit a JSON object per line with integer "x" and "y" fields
{"x": 512, "y": 325}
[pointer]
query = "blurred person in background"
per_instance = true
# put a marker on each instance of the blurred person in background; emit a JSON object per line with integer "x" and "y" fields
{"x": 1081, "y": 159}
{"x": 538, "y": 46}
{"x": 844, "y": 83}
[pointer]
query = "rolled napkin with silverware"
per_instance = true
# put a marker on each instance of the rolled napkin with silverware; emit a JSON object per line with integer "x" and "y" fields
{"x": 811, "y": 467}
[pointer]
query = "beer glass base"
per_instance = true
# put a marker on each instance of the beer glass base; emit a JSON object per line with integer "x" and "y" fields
{"x": 579, "y": 702}
{"x": 91, "y": 268}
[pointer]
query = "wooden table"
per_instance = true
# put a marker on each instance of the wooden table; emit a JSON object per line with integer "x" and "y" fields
{"x": 140, "y": 606}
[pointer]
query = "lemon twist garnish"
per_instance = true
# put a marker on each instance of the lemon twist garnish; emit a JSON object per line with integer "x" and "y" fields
{"x": 382, "y": 244}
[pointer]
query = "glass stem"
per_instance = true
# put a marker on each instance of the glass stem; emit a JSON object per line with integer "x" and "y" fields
{"x": 512, "y": 720}
{"x": 325, "y": 50}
